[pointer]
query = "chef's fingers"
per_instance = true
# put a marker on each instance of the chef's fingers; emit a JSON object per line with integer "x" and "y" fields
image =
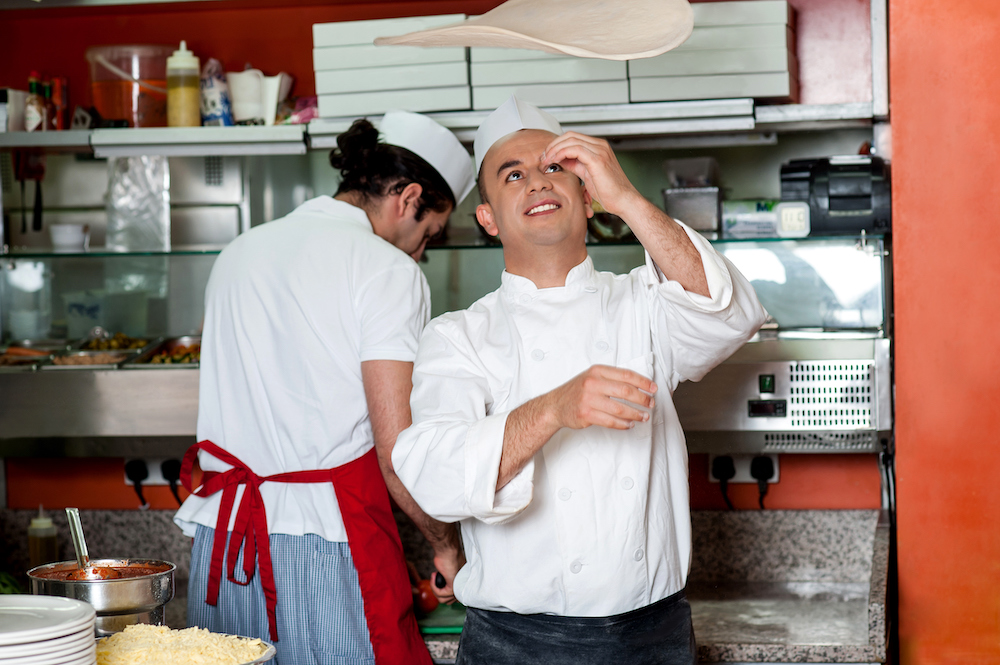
{"x": 588, "y": 152}
{"x": 446, "y": 596}
{"x": 575, "y": 137}
{"x": 599, "y": 405}
{"x": 626, "y": 376}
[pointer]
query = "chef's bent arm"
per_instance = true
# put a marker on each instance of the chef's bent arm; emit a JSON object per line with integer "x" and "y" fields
{"x": 449, "y": 459}
{"x": 668, "y": 244}
{"x": 387, "y": 390}
{"x": 698, "y": 332}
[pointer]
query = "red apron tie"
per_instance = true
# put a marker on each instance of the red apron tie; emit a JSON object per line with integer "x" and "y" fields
{"x": 371, "y": 535}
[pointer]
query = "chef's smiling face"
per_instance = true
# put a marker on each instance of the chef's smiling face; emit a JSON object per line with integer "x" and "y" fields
{"x": 529, "y": 201}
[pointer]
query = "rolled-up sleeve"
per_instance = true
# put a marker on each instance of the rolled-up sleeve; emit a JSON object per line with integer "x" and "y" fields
{"x": 698, "y": 332}
{"x": 449, "y": 459}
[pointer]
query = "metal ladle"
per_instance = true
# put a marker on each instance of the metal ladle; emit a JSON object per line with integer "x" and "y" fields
{"x": 85, "y": 571}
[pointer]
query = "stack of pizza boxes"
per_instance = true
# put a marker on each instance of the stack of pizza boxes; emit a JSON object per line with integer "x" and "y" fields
{"x": 737, "y": 50}
{"x": 544, "y": 79}
{"x": 356, "y": 78}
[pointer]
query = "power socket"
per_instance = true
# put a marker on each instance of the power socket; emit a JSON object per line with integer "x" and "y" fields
{"x": 155, "y": 474}
{"x": 742, "y": 464}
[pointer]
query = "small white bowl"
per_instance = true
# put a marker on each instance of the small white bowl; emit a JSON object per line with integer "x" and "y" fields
{"x": 70, "y": 237}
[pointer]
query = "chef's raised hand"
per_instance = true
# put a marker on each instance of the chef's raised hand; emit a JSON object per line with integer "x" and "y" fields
{"x": 604, "y": 396}
{"x": 594, "y": 162}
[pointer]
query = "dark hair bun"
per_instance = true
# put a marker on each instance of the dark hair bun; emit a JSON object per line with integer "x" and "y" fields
{"x": 354, "y": 146}
{"x": 374, "y": 169}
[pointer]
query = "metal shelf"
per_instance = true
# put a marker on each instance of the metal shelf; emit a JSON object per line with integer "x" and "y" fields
{"x": 801, "y": 117}
{"x": 198, "y": 141}
{"x": 649, "y": 119}
{"x": 73, "y": 140}
{"x": 170, "y": 141}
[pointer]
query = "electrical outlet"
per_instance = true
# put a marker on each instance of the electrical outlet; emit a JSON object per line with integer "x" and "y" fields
{"x": 742, "y": 464}
{"x": 155, "y": 474}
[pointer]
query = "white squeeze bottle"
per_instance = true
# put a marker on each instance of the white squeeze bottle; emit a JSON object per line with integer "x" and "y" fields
{"x": 183, "y": 89}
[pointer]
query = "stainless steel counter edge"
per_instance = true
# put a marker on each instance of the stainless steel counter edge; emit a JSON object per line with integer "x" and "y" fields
{"x": 77, "y": 403}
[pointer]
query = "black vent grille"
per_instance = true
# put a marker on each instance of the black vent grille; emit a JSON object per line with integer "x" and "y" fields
{"x": 779, "y": 442}
{"x": 213, "y": 171}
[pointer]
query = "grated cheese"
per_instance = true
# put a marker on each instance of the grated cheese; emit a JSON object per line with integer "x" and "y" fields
{"x": 142, "y": 644}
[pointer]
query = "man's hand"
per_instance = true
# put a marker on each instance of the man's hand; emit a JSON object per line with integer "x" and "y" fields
{"x": 594, "y": 162}
{"x": 447, "y": 563}
{"x": 597, "y": 396}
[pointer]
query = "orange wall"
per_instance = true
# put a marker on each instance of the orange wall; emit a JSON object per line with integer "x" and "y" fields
{"x": 945, "y": 92}
{"x": 833, "y": 39}
{"x": 272, "y": 36}
{"x": 91, "y": 483}
{"x": 807, "y": 482}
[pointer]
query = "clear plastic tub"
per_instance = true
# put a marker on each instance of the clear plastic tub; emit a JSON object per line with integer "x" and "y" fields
{"x": 129, "y": 82}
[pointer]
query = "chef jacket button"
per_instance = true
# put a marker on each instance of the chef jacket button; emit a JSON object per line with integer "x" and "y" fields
{"x": 602, "y": 346}
{"x": 565, "y": 494}
{"x": 575, "y": 567}
{"x": 590, "y": 289}
{"x": 627, "y": 483}
{"x": 637, "y": 555}
{"x": 537, "y": 354}
{"x": 524, "y": 299}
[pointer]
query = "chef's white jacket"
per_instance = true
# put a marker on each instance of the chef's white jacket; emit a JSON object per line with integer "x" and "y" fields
{"x": 292, "y": 309}
{"x": 598, "y": 522}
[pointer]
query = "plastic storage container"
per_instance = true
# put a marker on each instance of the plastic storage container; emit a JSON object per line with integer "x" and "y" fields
{"x": 130, "y": 83}
{"x": 43, "y": 546}
{"x": 183, "y": 89}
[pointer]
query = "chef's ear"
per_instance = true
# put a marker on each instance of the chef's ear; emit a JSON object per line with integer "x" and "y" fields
{"x": 587, "y": 202}
{"x": 410, "y": 196}
{"x": 484, "y": 215}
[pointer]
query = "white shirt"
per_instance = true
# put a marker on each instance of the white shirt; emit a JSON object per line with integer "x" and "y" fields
{"x": 598, "y": 522}
{"x": 292, "y": 309}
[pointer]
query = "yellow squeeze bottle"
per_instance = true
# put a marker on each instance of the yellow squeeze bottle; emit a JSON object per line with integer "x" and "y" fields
{"x": 183, "y": 89}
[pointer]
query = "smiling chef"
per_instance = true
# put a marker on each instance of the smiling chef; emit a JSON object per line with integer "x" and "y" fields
{"x": 543, "y": 418}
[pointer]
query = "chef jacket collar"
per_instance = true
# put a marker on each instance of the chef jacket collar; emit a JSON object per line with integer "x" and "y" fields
{"x": 327, "y": 205}
{"x": 579, "y": 276}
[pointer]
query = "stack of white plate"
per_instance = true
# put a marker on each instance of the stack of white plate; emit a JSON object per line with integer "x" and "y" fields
{"x": 46, "y": 630}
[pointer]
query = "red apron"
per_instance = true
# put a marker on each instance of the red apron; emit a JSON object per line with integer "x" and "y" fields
{"x": 371, "y": 535}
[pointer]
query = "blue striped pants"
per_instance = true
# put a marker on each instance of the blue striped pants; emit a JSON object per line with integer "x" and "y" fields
{"x": 320, "y": 613}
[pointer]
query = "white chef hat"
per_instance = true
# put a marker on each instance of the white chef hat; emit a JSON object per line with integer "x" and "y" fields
{"x": 434, "y": 144}
{"x": 511, "y": 116}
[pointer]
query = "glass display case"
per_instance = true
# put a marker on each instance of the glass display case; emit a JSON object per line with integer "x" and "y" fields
{"x": 51, "y": 301}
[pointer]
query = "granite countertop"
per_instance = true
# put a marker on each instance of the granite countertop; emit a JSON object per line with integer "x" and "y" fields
{"x": 765, "y": 586}
{"x": 781, "y": 587}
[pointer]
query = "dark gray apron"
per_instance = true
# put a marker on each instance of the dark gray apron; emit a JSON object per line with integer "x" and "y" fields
{"x": 658, "y": 634}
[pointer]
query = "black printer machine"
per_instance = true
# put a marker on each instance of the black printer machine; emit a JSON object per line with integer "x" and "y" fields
{"x": 846, "y": 195}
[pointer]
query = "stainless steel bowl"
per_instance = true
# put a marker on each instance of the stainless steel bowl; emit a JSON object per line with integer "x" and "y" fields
{"x": 119, "y": 602}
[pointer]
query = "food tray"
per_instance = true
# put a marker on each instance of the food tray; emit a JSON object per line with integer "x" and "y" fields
{"x": 10, "y": 364}
{"x": 51, "y": 363}
{"x": 147, "y": 341}
{"x": 144, "y": 360}
{"x": 268, "y": 655}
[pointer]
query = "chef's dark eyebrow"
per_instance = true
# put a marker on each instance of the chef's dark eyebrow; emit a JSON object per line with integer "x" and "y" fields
{"x": 508, "y": 164}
